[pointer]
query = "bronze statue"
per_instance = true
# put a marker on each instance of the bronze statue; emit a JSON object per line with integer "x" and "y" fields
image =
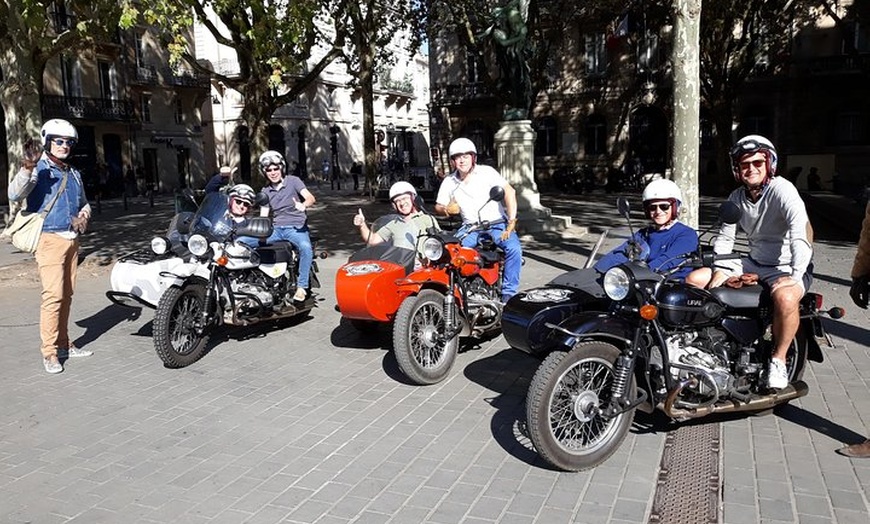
{"x": 509, "y": 31}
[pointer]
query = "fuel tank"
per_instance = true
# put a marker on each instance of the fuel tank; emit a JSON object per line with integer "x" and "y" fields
{"x": 681, "y": 305}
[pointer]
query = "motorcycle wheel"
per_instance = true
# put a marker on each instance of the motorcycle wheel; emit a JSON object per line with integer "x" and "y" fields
{"x": 419, "y": 322}
{"x": 796, "y": 358}
{"x": 560, "y": 404}
{"x": 177, "y": 343}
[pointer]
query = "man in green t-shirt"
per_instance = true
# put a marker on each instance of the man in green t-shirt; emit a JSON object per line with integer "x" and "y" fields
{"x": 404, "y": 230}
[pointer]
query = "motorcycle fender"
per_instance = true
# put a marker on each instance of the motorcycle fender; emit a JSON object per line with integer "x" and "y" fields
{"x": 134, "y": 284}
{"x": 526, "y": 315}
{"x": 426, "y": 275}
{"x": 814, "y": 331}
{"x": 369, "y": 290}
{"x": 592, "y": 325}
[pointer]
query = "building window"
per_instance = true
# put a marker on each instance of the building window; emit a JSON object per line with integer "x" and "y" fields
{"x": 596, "y": 135}
{"x": 179, "y": 110}
{"x": 545, "y": 143}
{"x": 849, "y": 128}
{"x": 473, "y": 67}
{"x": 145, "y": 108}
{"x": 648, "y": 52}
{"x": 108, "y": 80}
{"x": 756, "y": 121}
{"x": 595, "y": 54}
{"x": 72, "y": 76}
{"x": 139, "y": 49}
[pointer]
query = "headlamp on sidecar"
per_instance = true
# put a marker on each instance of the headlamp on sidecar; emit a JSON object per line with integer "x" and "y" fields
{"x": 433, "y": 249}
{"x": 159, "y": 245}
{"x": 198, "y": 245}
{"x": 617, "y": 283}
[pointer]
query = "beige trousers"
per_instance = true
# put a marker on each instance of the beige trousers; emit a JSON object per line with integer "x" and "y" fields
{"x": 57, "y": 260}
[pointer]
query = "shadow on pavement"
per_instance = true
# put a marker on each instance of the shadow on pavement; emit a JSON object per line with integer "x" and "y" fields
{"x": 819, "y": 424}
{"x": 104, "y": 320}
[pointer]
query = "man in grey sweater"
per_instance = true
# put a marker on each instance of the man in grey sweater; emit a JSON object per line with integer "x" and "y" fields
{"x": 774, "y": 219}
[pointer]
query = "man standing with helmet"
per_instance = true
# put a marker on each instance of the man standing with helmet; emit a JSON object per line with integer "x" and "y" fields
{"x": 53, "y": 182}
{"x": 288, "y": 199}
{"x": 465, "y": 191}
{"x": 774, "y": 219}
{"x": 403, "y": 232}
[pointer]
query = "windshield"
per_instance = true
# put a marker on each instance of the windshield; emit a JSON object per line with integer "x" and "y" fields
{"x": 212, "y": 218}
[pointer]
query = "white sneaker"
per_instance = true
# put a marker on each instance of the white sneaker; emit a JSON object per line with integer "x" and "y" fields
{"x": 300, "y": 295}
{"x": 52, "y": 365}
{"x": 777, "y": 375}
{"x": 74, "y": 352}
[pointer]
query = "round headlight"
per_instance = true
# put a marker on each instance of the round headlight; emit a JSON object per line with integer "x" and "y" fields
{"x": 198, "y": 245}
{"x": 616, "y": 283}
{"x": 159, "y": 245}
{"x": 433, "y": 249}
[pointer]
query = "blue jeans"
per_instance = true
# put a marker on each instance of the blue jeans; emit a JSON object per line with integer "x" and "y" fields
{"x": 298, "y": 236}
{"x": 513, "y": 257}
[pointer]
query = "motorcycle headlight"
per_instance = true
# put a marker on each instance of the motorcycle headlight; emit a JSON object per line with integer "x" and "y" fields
{"x": 433, "y": 249}
{"x": 198, "y": 245}
{"x": 159, "y": 245}
{"x": 616, "y": 283}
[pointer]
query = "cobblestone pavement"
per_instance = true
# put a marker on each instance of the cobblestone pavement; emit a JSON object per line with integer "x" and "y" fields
{"x": 311, "y": 422}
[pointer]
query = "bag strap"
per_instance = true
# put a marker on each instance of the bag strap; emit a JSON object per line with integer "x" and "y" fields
{"x": 56, "y": 196}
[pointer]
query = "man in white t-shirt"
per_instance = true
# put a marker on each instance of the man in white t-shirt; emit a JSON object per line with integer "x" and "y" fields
{"x": 465, "y": 191}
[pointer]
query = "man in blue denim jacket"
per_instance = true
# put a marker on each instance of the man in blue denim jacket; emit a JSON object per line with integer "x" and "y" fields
{"x": 57, "y": 251}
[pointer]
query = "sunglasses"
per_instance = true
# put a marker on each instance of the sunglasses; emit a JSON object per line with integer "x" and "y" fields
{"x": 757, "y": 164}
{"x": 64, "y": 142}
{"x": 241, "y": 203}
{"x": 273, "y": 168}
{"x": 664, "y": 206}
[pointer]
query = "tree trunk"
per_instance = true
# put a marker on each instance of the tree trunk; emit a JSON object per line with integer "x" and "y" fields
{"x": 20, "y": 99}
{"x": 366, "y": 82}
{"x": 257, "y": 114}
{"x": 687, "y": 96}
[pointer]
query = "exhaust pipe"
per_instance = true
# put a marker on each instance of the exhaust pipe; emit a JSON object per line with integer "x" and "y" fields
{"x": 794, "y": 390}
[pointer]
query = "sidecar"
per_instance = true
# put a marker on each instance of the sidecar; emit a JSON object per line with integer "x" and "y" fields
{"x": 365, "y": 287}
{"x": 139, "y": 278}
{"x": 525, "y": 317}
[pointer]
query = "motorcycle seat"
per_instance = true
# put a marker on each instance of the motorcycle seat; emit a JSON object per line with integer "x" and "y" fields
{"x": 280, "y": 251}
{"x": 739, "y": 298}
{"x": 493, "y": 256}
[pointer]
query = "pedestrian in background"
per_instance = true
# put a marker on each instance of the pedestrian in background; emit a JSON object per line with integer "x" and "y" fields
{"x": 860, "y": 293}
{"x": 355, "y": 172}
{"x": 58, "y": 248}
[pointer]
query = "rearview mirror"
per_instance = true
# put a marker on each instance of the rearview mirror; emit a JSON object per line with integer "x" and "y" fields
{"x": 729, "y": 213}
{"x": 623, "y": 207}
{"x": 496, "y": 193}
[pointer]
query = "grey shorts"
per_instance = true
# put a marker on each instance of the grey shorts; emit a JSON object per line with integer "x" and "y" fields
{"x": 767, "y": 274}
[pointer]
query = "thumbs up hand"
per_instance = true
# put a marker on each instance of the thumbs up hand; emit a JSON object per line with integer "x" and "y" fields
{"x": 359, "y": 219}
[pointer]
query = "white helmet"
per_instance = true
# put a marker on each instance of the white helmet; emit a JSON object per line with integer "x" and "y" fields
{"x": 243, "y": 192}
{"x": 401, "y": 188}
{"x": 664, "y": 189}
{"x": 461, "y": 145}
{"x": 270, "y": 158}
{"x": 749, "y": 145}
{"x": 57, "y": 127}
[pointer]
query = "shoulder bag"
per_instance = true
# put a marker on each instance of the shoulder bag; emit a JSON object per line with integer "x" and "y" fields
{"x": 26, "y": 228}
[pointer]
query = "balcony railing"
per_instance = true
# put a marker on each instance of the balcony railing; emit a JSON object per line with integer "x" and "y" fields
{"x": 840, "y": 64}
{"x": 152, "y": 76}
{"x": 88, "y": 108}
{"x": 457, "y": 93}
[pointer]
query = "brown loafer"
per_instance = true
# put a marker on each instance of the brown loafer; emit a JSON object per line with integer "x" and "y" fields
{"x": 861, "y": 450}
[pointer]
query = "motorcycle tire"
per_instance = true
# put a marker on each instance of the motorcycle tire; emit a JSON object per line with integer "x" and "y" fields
{"x": 419, "y": 321}
{"x": 564, "y": 385}
{"x": 175, "y": 340}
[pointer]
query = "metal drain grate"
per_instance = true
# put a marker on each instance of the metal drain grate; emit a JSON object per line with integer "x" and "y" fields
{"x": 687, "y": 490}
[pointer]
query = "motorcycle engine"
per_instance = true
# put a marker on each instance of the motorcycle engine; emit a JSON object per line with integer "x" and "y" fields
{"x": 694, "y": 354}
{"x": 248, "y": 291}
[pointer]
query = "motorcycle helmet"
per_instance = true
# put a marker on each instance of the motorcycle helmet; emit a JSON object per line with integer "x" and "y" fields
{"x": 664, "y": 189}
{"x": 270, "y": 158}
{"x": 401, "y": 188}
{"x": 749, "y": 145}
{"x": 243, "y": 192}
{"x": 57, "y": 128}
{"x": 460, "y": 146}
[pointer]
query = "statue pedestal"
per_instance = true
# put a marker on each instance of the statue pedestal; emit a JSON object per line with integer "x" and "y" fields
{"x": 515, "y": 150}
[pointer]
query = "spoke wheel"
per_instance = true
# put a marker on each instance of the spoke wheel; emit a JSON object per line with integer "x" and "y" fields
{"x": 422, "y": 354}
{"x": 175, "y": 338}
{"x": 563, "y": 407}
